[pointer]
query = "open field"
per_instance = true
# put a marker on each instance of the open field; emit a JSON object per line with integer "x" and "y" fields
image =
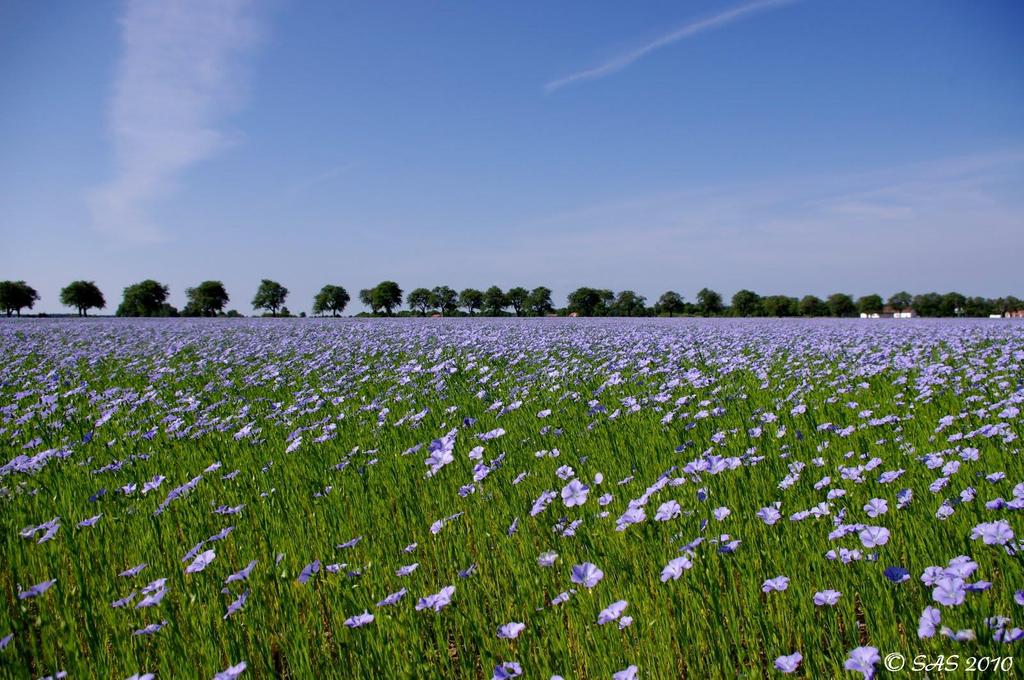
{"x": 205, "y": 493}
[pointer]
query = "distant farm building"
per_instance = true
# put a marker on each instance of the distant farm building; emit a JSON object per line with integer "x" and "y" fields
{"x": 890, "y": 313}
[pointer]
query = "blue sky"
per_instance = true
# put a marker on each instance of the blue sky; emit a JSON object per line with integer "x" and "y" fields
{"x": 795, "y": 147}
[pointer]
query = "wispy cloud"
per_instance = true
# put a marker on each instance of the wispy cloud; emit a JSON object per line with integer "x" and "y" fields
{"x": 954, "y": 222}
{"x": 689, "y": 30}
{"x": 181, "y": 72}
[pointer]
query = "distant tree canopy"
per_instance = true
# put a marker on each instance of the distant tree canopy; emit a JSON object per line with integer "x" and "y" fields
{"x": 539, "y": 302}
{"x": 207, "y": 299}
{"x": 709, "y": 302}
{"x": 385, "y": 295}
{"x": 518, "y": 298}
{"x": 16, "y": 296}
{"x": 901, "y": 300}
{"x": 590, "y": 301}
{"x": 670, "y": 303}
{"x": 870, "y": 304}
{"x": 841, "y": 304}
{"x": 780, "y": 305}
{"x": 472, "y": 299}
{"x": 270, "y": 296}
{"x": 628, "y": 303}
{"x": 495, "y": 301}
{"x": 746, "y": 303}
{"x": 811, "y": 305}
{"x": 146, "y": 298}
{"x": 419, "y": 299}
{"x": 331, "y": 299}
{"x": 445, "y": 299}
{"x": 83, "y": 296}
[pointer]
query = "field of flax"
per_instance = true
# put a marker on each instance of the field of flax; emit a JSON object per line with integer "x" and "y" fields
{"x": 502, "y": 498}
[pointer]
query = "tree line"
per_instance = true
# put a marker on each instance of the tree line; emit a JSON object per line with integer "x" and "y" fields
{"x": 210, "y": 298}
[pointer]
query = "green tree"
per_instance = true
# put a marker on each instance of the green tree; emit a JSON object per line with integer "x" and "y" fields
{"x": 780, "y": 305}
{"x": 472, "y": 299}
{"x": 420, "y": 299}
{"x": 17, "y": 295}
{"x": 445, "y": 299}
{"x": 746, "y": 303}
{"x": 812, "y": 305}
{"x": 495, "y": 301}
{"x": 1009, "y": 304}
{"x": 366, "y": 297}
{"x": 518, "y": 298}
{"x": 870, "y": 304}
{"x": 901, "y": 300}
{"x": 331, "y": 299}
{"x": 83, "y": 296}
{"x": 670, "y": 303}
{"x": 270, "y": 296}
{"x": 928, "y": 304}
{"x": 146, "y": 298}
{"x": 206, "y": 299}
{"x": 386, "y": 295}
{"x": 585, "y": 301}
{"x": 709, "y": 302}
{"x": 841, "y": 304}
{"x": 628, "y": 303}
{"x": 953, "y": 304}
{"x": 979, "y": 306}
{"x": 539, "y": 301}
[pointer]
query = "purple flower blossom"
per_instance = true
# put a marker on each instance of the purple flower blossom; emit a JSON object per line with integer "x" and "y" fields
{"x": 675, "y": 568}
{"x": 91, "y": 522}
{"x": 547, "y": 559}
{"x": 872, "y": 537}
{"x": 788, "y": 663}
{"x": 876, "y": 507}
{"x": 150, "y": 629}
{"x": 769, "y": 515}
{"x": 509, "y": 669}
{"x": 231, "y": 672}
{"x": 587, "y": 575}
{"x": 949, "y": 591}
{"x": 201, "y": 561}
{"x": 574, "y": 493}
{"x": 36, "y": 590}
{"x": 134, "y": 571}
{"x": 897, "y": 574}
{"x": 612, "y": 612}
{"x": 628, "y": 673}
{"x": 237, "y": 604}
{"x": 993, "y": 533}
{"x": 241, "y": 575}
{"x": 562, "y": 597}
{"x": 929, "y": 621}
{"x": 407, "y": 569}
{"x": 667, "y": 510}
{"x": 308, "y": 571}
{"x": 777, "y": 584}
{"x": 359, "y": 620}
{"x": 863, "y": 660}
{"x": 827, "y": 598}
{"x": 393, "y": 598}
{"x": 511, "y": 630}
{"x": 437, "y": 601}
